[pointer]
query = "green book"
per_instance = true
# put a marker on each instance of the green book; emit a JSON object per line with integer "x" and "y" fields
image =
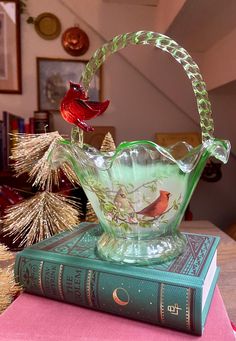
{"x": 176, "y": 294}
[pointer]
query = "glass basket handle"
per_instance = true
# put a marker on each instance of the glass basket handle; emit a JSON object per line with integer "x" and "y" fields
{"x": 168, "y": 45}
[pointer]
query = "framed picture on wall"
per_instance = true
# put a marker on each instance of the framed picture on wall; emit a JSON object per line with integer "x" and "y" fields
{"x": 53, "y": 76}
{"x": 10, "y": 51}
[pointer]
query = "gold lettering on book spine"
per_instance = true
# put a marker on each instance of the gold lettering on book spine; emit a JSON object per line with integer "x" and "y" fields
{"x": 188, "y": 308}
{"x": 40, "y": 277}
{"x": 162, "y": 308}
{"x": 174, "y": 309}
{"x": 88, "y": 288}
{"x": 60, "y": 282}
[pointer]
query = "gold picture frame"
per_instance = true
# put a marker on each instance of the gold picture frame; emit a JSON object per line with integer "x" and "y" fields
{"x": 10, "y": 48}
{"x": 53, "y": 76}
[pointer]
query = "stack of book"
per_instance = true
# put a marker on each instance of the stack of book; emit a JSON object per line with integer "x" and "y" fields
{"x": 176, "y": 294}
{"x": 10, "y": 124}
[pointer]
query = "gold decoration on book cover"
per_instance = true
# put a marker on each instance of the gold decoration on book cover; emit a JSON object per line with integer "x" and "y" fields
{"x": 116, "y": 295}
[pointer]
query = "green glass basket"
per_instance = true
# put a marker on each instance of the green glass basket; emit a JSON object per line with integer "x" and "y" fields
{"x": 140, "y": 192}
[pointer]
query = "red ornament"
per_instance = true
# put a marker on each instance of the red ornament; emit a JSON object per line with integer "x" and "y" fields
{"x": 75, "y": 41}
{"x": 76, "y": 107}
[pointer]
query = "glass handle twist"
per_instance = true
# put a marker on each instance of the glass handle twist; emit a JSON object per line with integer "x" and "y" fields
{"x": 170, "y": 46}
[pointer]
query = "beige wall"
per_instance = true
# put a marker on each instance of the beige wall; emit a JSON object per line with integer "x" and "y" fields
{"x": 134, "y": 94}
{"x": 33, "y": 46}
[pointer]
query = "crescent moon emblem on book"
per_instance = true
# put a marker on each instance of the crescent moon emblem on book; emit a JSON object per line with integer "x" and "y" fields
{"x": 117, "y": 299}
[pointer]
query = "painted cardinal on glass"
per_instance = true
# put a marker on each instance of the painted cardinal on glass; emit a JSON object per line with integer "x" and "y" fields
{"x": 76, "y": 107}
{"x": 157, "y": 207}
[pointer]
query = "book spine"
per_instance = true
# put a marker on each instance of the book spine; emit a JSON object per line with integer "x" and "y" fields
{"x": 41, "y": 122}
{"x": 1, "y": 147}
{"x": 5, "y": 139}
{"x": 21, "y": 125}
{"x": 12, "y": 125}
{"x": 165, "y": 304}
{"x": 31, "y": 125}
{"x": 14, "y": 129}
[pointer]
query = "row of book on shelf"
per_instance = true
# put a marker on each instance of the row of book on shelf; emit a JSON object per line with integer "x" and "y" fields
{"x": 12, "y": 124}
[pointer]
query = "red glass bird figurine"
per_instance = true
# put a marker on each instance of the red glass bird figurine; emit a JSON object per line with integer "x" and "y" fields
{"x": 157, "y": 207}
{"x": 76, "y": 107}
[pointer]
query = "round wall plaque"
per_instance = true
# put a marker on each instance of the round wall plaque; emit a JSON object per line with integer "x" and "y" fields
{"x": 47, "y": 25}
{"x": 75, "y": 41}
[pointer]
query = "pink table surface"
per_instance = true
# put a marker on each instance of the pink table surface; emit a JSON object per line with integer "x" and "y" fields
{"x": 33, "y": 318}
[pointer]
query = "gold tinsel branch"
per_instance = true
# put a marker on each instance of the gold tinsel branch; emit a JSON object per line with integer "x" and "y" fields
{"x": 47, "y": 213}
{"x": 90, "y": 214}
{"x": 40, "y": 217}
{"x": 8, "y": 287}
{"x": 43, "y": 174}
{"x": 108, "y": 144}
{"x": 5, "y": 254}
{"x": 33, "y": 154}
{"x": 29, "y": 149}
{"x": 70, "y": 174}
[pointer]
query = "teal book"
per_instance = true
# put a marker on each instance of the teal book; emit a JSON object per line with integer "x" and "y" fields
{"x": 176, "y": 294}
